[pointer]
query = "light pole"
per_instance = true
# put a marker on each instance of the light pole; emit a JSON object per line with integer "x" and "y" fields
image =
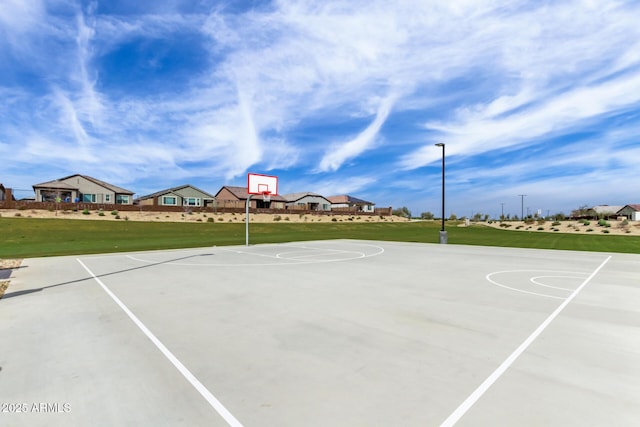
{"x": 443, "y": 232}
{"x": 522, "y": 196}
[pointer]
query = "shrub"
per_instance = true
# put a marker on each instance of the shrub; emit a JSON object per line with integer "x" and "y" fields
{"x": 100, "y": 213}
{"x": 605, "y": 231}
{"x": 585, "y": 222}
{"x": 117, "y": 216}
{"x": 277, "y": 218}
{"x": 86, "y": 212}
{"x": 114, "y": 212}
{"x": 540, "y": 228}
{"x": 334, "y": 219}
{"x": 555, "y": 223}
{"x": 209, "y": 219}
{"x": 589, "y": 229}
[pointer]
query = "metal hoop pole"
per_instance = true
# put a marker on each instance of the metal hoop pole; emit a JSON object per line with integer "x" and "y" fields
{"x": 247, "y": 221}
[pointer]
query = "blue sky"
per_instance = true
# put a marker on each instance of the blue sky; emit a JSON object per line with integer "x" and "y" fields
{"x": 540, "y": 98}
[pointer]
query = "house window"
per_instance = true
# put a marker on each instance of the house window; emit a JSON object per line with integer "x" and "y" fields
{"x": 169, "y": 200}
{"x": 122, "y": 199}
{"x": 107, "y": 198}
{"x": 191, "y": 201}
{"x": 89, "y": 198}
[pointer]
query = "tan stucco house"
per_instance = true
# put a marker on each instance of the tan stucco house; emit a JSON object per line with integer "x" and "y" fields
{"x": 83, "y": 189}
{"x": 351, "y": 203}
{"x": 183, "y": 195}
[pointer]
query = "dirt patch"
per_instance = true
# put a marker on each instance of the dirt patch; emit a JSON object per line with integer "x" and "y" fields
{"x": 612, "y": 227}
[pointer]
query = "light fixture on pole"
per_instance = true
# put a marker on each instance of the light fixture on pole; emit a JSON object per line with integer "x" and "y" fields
{"x": 443, "y": 232}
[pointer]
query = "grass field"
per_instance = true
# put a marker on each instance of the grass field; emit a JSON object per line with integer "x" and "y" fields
{"x": 31, "y": 237}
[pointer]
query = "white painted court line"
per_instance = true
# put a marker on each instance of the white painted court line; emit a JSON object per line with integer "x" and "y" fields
{"x": 481, "y": 390}
{"x": 535, "y": 281}
{"x": 279, "y": 259}
{"x": 215, "y": 403}
{"x": 489, "y": 278}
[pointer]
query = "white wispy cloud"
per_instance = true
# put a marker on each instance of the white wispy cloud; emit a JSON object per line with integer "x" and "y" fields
{"x": 339, "y": 153}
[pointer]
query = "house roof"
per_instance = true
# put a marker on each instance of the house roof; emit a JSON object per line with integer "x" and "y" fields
{"x": 59, "y": 183}
{"x": 348, "y": 199}
{"x": 635, "y": 207}
{"x": 602, "y": 209}
{"x": 174, "y": 190}
{"x": 242, "y": 194}
{"x": 292, "y": 197}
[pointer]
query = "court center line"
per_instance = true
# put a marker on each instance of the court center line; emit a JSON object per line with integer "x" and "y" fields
{"x": 209, "y": 397}
{"x": 480, "y": 391}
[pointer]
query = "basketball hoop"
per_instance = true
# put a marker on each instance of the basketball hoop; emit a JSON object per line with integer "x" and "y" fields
{"x": 266, "y": 196}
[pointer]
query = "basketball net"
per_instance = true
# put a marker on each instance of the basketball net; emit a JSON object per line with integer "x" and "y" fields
{"x": 266, "y": 196}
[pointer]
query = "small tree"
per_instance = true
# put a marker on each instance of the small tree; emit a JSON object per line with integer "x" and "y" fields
{"x": 559, "y": 216}
{"x": 426, "y": 215}
{"x": 453, "y": 217}
{"x": 403, "y": 212}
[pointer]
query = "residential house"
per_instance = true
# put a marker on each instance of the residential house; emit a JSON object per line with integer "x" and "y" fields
{"x": 184, "y": 195}
{"x": 236, "y": 197}
{"x": 351, "y": 203}
{"x": 84, "y": 189}
{"x": 307, "y": 201}
{"x": 632, "y": 212}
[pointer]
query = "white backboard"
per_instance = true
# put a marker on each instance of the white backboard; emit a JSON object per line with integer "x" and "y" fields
{"x": 260, "y": 184}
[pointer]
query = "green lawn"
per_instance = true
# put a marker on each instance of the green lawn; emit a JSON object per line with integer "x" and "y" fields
{"x": 31, "y": 237}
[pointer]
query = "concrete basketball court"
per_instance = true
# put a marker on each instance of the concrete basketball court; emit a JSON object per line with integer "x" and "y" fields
{"x": 323, "y": 333}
